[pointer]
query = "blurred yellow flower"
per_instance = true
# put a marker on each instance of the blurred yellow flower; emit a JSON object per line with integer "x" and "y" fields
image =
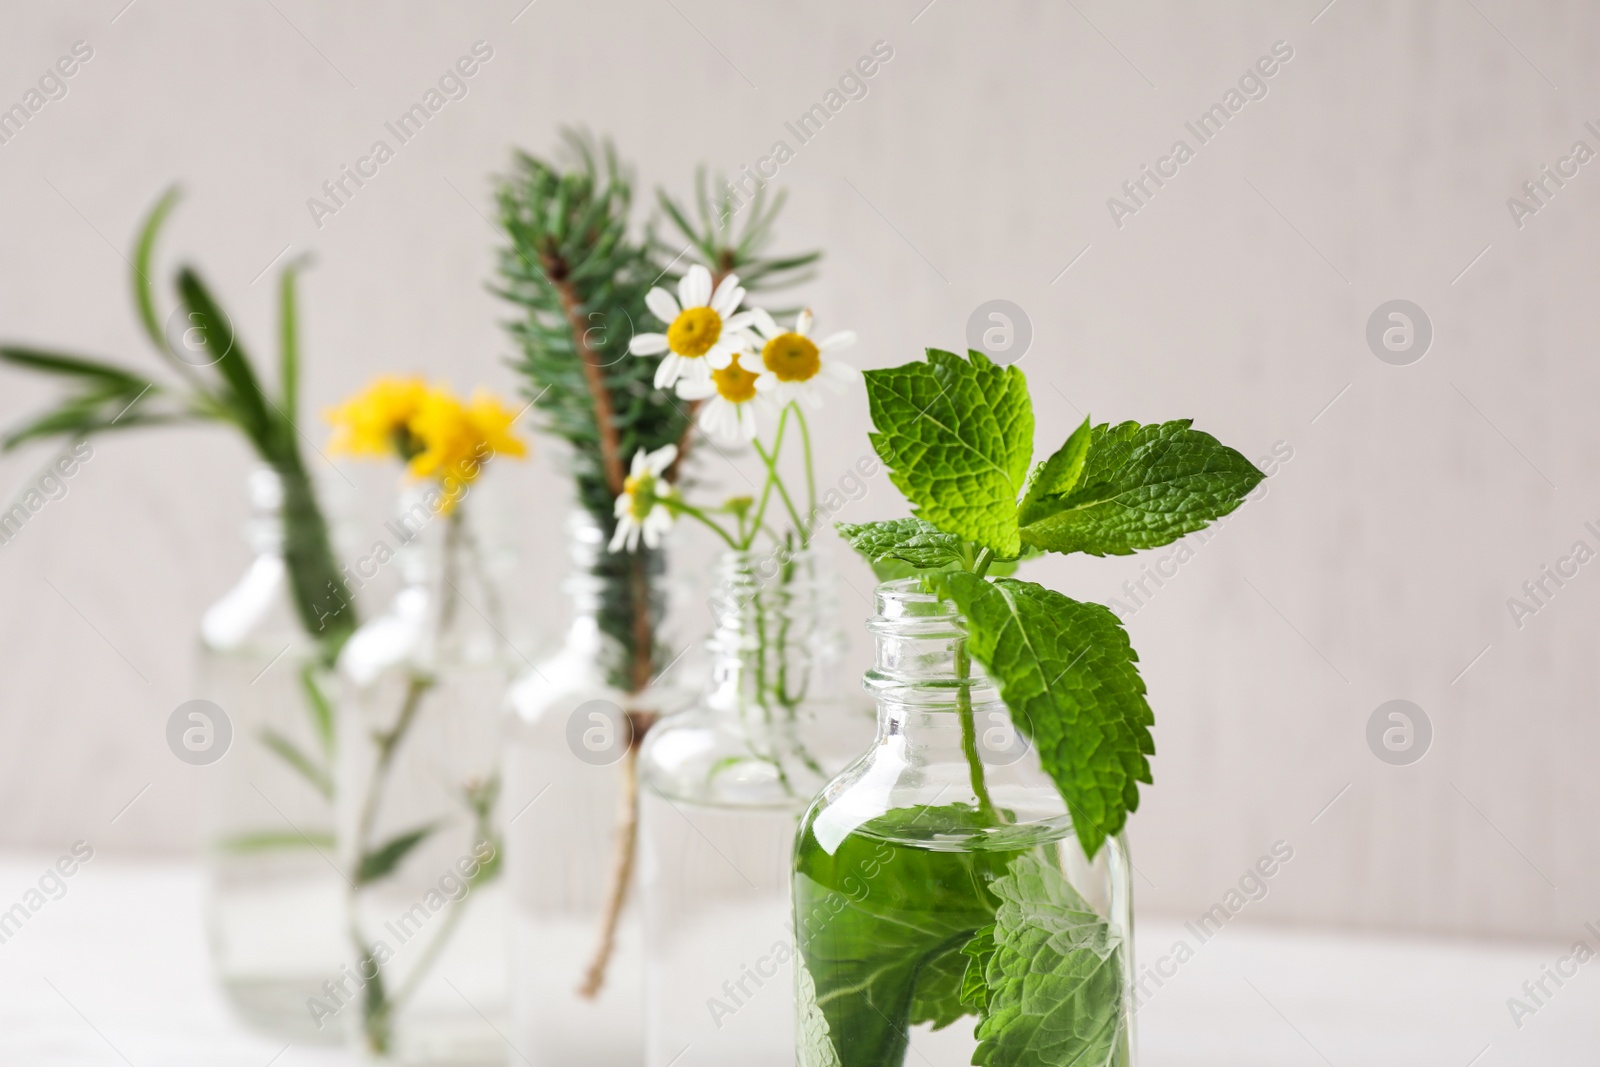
{"x": 377, "y": 420}
{"x": 436, "y": 434}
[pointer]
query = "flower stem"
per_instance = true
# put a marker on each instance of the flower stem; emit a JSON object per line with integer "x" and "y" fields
{"x": 681, "y": 508}
{"x": 969, "y": 730}
{"x": 771, "y": 460}
{"x": 811, "y": 474}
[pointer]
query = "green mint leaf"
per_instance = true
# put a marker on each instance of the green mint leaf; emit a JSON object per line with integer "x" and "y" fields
{"x": 880, "y": 928}
{"x": 1139, "y": 487}
{"x": 1053, "y": 977}
{"x": 956, "y": 435}
{"x": 1057, "y": 475}
{"x": 974, "y": 987}
{"x": 1068, "y": 674}
{"x": 921, "y": 545}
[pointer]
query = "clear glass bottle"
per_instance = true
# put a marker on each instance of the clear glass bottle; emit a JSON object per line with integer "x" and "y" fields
{"x": 420, "y": 829}
{"x": 576, "y": 720}
{"x": 945, "y": 911}
{"x": 273, "y": 902}
{"x": 725, "y": 783}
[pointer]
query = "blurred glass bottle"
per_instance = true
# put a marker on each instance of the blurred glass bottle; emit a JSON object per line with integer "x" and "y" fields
{"x": 576, "y": 721}
{"x": 274, "y": 893}
{"x": 419, "y": 823}
{"x": 725, "y": 783}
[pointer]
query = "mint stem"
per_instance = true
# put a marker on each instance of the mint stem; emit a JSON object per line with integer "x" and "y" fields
{"x": 969, "y": 729}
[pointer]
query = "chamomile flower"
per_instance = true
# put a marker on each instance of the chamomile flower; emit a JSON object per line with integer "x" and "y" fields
{"x": 795, "y": 367}
{"x": 729, "y": 414}
{"x": 704, "y": 328}
{"x": 640, "y": 511}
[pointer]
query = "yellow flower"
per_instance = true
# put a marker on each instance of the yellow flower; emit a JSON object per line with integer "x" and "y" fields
{"x": 458, "y": 439}
{"x": 436, "y": 434}
{"x": 377, "y": 420}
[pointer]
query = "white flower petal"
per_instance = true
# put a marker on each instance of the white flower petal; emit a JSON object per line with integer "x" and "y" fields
{"x": 802, "y": 322}
{"x": 764, "y": 323}
{"x": 656, "y": 525}
{"x": 669, "y": 371}
{"x": 713, "y": 418}
{"x": 694, "y": 389}
{"x": 660, "y": 460}
{"x": 842, "y": 339}
{"x": 662, "y": 305}
{"x": 837, "y": 373}
{"x": 747, "y": 422}
{"x": 767, "y": 382}
{"x": 741, "y": 323}
{"x": 619, "y": 538}
{"x": 624, "y": 505}
{"x": 720, "y": 356}
{"x": 648, "y": 344}
{"x": 695, "y": 289}
{"x": 726, "y": 300}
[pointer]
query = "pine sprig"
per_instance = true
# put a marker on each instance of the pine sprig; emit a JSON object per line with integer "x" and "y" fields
{"x": 580, "y": 283}
{"x": 578, "y": 278}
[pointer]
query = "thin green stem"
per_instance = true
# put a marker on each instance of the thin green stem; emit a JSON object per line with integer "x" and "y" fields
{"x": 772, "y": 476}
{"x": 969, "y": 731}
{"x": 811, "y": 473}
{"x": 681, "y": 508}
{"x": 771, "y": 460}
{"x": 981, "y": 567}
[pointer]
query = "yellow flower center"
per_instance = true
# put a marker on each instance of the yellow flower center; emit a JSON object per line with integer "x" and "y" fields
{"x": 734, "y": 383}
{"x": 641, "y": 490}
{"x": 791, "y": 357}
{"x": 694, "y": 331}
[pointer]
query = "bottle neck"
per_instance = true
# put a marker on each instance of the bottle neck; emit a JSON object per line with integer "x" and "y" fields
{"x": 445, "y": 568}
{"x": 927, "y": 683}
{"x": 774, "y": 639}
{"x": 619, "y": 602}
{"x": 264, "y": 529}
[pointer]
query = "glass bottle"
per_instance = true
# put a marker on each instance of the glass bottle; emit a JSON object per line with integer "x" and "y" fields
{"x": 273, "y": 902}
{"x": 726, "y": 781}
{"x": 576, "y": 720}
{"x": 420, "y": 831}
{"x": 945, "y": 911}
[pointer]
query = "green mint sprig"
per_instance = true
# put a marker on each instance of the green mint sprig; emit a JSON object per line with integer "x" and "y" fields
{"x": 956, "y": 435}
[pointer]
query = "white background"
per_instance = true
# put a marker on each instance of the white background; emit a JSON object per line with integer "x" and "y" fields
{"x": 1378, "y": 564}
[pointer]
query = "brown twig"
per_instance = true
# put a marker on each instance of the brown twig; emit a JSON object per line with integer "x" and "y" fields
{"x": 594, "y": 976}
{"x": 593, "y": 373}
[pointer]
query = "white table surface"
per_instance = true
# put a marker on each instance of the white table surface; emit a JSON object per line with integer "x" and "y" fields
{"x": 115, "y": 973}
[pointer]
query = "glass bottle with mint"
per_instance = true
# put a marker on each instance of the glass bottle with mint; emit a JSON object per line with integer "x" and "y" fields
{"x": 961, "y": 892}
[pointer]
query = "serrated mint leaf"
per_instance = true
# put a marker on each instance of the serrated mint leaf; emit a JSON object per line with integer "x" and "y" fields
{"x": 1053, "y": 978}
{"x": 1140, "y": 487}
{"x": 880, "y": 927}
{"x": 974, "y": 987}
{"x": 956, "y": 435}
{"x": 1057, "y": 475}
{"x": 921, "y": 545}
{"x": 1068, "y": 674}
